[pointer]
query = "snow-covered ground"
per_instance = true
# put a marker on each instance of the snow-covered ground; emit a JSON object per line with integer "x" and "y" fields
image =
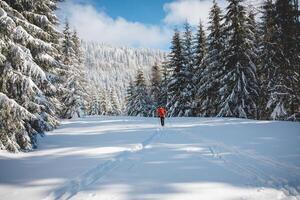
{"x": 131, "y": 158}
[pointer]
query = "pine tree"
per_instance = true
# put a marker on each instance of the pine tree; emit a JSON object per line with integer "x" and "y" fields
{"x": 29, "y": 61}
{"x": 283, "y": 101}
{"x": 239, "y": 89}
{"x": 297, "y": 19}
{"x": 94, "y": 106}
{"x": 165, "y": 81}
{"x": 130, "y": 99}
{"x": 67, "y": 45}
{"x": 103, "y": 107}
{"x": 81, "y": 76}
{"x": 73, "y": 93}
{"x": 200, "y": 46}
{"x": 187, "y": 94}
{"x": 14, "y": 135}
{"x": 115, "y": 105}
{"x": 209, "y": 71}
{"x": 156, "y": 89}
{"x": 267, "y": 54}
{"x": 176, "y": 85}
{"x": 200, "y": 50}
{"x": 187, "y": 48}
{"x": 141, "y": 101}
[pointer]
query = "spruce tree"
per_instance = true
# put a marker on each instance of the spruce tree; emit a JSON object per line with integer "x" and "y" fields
{"x": 283, "y": 100}
{"x": 267, "y": 57}
{"x": 130, "y": 99}
{"x": 187, "y": 49}
{"x": 94, "y": 105}
{"x": 67, "y": 45}
{"x": 200, "y": 46}
{"x": 81, "y": 76}
{"x": 103, "y": 107}
{"x": 176, "y": 85}
{"x": 74, "y": 90}
{"x": 115, "y": 105}
{"x": 14, "y": 133}
{"x": 209, "y": 72}
{"x": 140, "y": 98}
{"x": 29, "y": 61}
{"x": 187, "y": 94}
{"x": 200, "y": 50}
{"x": 165, "y": 81}
{"x": 239, "y": 90}
{"x": 156, "y": 89}
{"x": 297, "y": 19}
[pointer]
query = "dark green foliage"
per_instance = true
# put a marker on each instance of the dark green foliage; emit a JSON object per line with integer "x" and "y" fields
{"x": 239, "y": 90}
{"x": 210, "y": 69}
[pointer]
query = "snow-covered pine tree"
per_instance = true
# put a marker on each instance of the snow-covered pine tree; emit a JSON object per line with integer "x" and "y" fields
{"x": 187, "y": 94}
{"x": 239, "y": 89}
{"x": 283, "y": 101}
{"x": 200, "y": 50}
{"x": 297, "y": 16}
{"x": 176, "y": 85}
{"x": 50, "y": 61}
{"x": 164, "y": 85}
{"x": 186, "y": 76}
{"x": 200, "y": 46}
{"x": 93, "y": 107}
{"x": 83, "y": 86}
{"x": 267, "y": 54}
{"x": 27, "y": 56}
{"x": 39, "y": 23}
{"x": 115, "y": 105}
{"x": 104, "y": 107}
{"x": 130, "y": 99}
{"x": 210, "y": 70}
{"x": 74, "y": 90}
{"x": 67, "y": 45}
{"x": 13, "y": 131}
{"x": 187, "y": 47}
{"x": 97, "y": 102}
{"x": 43, "y": 16}
{"x": 254, "y": 28}
{"x": 156, "y": 89}
{"x": 140, "y": 99}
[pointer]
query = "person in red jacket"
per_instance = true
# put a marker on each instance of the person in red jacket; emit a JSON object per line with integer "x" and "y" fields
{"x": 161, "y": 112}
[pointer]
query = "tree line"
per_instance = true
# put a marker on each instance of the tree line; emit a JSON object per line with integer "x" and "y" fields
{"x": 247, "y": 66}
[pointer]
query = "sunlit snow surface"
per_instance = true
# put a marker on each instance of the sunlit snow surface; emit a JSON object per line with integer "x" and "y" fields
{"x": 131, "y": 158}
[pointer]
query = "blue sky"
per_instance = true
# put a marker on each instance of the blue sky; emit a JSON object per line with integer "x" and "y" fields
{"x": 144, "y": 11}
{"x": 134, "y": 23}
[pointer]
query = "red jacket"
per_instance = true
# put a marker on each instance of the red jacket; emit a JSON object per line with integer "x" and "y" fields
{"x": 161, "y": 112}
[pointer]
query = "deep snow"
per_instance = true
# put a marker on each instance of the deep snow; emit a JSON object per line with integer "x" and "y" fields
{"x": 132, "y": 158}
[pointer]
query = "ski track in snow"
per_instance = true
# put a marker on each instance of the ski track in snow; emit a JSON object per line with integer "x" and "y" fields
{"x": 253, "y": 168}
{"x": 257, "y": 175}
{"x": 72, "y": 187}
{"x": 181, "y": 148}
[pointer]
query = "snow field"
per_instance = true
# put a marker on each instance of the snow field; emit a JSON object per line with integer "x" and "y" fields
{"x": 131, "y": 158}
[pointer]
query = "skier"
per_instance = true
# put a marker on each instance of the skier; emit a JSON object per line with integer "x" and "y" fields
{"x": 162, "y": 114}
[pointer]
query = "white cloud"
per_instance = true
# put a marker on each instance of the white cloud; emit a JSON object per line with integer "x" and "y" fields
{"x": 94, "y": 25}
{"x": 191, "y": 11}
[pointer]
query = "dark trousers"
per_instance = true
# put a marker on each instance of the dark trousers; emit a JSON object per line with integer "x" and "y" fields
{"x": 162, "y": 121}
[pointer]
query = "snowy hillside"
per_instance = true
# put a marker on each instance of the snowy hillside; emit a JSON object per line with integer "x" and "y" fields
{"x": 112, "y": 68}
{"x": 131, "y": 158}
